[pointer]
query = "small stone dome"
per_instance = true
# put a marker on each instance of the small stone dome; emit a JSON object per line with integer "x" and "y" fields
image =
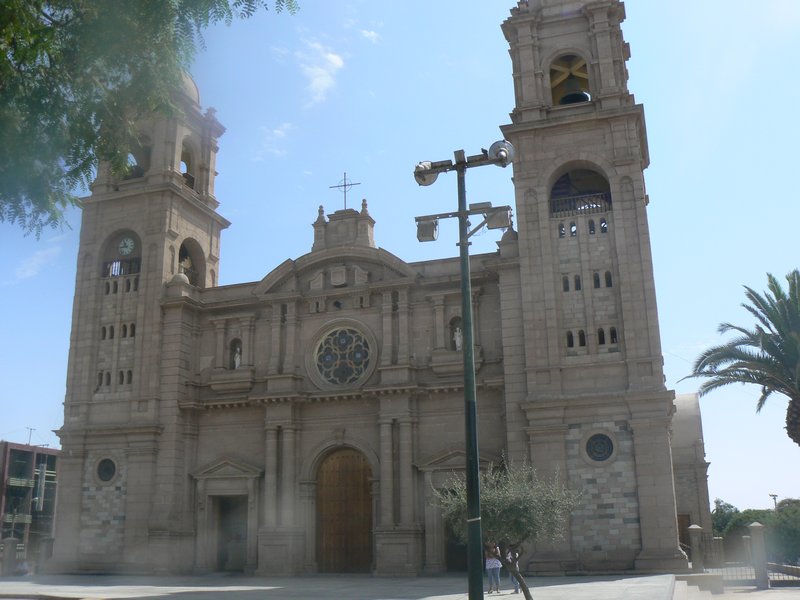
{"x": 180, "y": 278}
{"x": 189, "y": 87}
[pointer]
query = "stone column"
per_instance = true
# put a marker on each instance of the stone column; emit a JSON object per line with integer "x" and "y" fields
{"x": 406, "y": 473}
{"x": 758, "y": 553}
{"x": 386, "y": 316}
{"x": 252, "y": 526}
{"x": 439, "y": 326}
{"x": 402, "y": 328}
{"x": 288, "y": 487}
{"x": 219, "y": 358}
{"x": 658, "y": 524}
{"x": 696, "y": 544}
{"x": 275, "y": 346}
{"x": 247, "y": 325}
{"x": 203, "y": 543}
{"x": 387, "y": 474}
{"x": 434, "y": 530}
{"x": 271, "y": 477}
{"x": 289, "y": 365}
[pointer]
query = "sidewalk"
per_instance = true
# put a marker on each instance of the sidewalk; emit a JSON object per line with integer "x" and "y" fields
{"x": 350, "y": 587}
{"x": 325, "y": 587}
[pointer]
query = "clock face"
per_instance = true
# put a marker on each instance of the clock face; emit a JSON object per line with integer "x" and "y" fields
{"x": 126, "y": 246}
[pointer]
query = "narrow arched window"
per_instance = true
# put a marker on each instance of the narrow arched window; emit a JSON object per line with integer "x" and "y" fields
{"x": 108, "y": 378}
{"x": 565, "y": 283}
{"x": 187, "y": 166}
{"x": 115, "y": 287}
{"x": 108, "y": 288}
{"x": 127, "y": 285}
{"x": 601, "y": 337}
{"x": 111, "y": 332}
{"x": 603, "y": 226}
{"x": 573, "y": 229}
{"x": 235, "y": 358}
{"x": 591, "y": 226}
{"x": 577, "y": 283}
{"x": 135, "y": 284}
{"x": 608, "y": 278}
{"x": 562, "y": 231}
{"x": 133, "y": 330}
{"x": 99, "y": 379}
{"x": 581, "y": 338}
{"x": 613, "y": 335}
{"x": 570, "y": 340}
{"x": 102, "y": 333}
{"x": 129, "y": 377}
{"x": 121, "y": 377}
{"x": 124, "y": 330}
{"x": 596, "y": 280}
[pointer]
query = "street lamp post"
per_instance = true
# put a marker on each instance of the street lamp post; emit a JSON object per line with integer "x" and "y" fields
{"x": 502, "y": 154}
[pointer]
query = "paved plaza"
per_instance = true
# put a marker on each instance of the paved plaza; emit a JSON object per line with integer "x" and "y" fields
{"x": 343, "y": 587}
{"x": 352, "y": 587}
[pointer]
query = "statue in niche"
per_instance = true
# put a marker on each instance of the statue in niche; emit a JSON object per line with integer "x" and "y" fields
{"x": 456, "y": 334}
{"x": 458, "y": 339}
{"x": 236, "y": 354}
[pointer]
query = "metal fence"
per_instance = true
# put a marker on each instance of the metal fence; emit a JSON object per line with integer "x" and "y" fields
{"x": 735, "y": 560}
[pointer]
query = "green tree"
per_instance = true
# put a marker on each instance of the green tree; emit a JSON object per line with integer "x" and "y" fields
{"x": 767, "y": 355}
{"x": 74, "y": 77}
{"x": 722, "y": 514}
{"x": 784, "y": 532}
{"x": 517, "y": 507}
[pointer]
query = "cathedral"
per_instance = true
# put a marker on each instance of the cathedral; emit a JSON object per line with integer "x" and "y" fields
{"x": 301, "y": 423}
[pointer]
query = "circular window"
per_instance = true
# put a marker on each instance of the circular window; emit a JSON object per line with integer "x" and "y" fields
{"x": 343, "y": 356}
{"x": 106, "y": 469}
{"x": 599, "y": 447}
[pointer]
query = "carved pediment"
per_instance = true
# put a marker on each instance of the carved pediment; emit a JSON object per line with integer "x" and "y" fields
{"x": 227, "y": 468}
{"x": 452, "y": 460}
{"x": 335, "y": 268}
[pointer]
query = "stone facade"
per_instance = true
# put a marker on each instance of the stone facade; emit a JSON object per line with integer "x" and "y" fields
{"x": 277, "y": 425}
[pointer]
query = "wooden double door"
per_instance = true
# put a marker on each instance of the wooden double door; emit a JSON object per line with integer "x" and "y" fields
{"x": 344, "y": 513}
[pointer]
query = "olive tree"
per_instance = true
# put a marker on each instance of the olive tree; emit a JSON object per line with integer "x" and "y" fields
{"x": 517, "y": 507}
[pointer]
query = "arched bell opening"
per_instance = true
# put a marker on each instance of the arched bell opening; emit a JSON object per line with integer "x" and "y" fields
{"x": 138, "y": 159}
{"x": 188, "y": 165}
{"x": 569, "y": 80}
{"x": 580, "y": 191}
{"x": 191, "y": 262}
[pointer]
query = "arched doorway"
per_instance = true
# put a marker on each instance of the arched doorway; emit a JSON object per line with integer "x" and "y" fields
{"x": 344, "y": 513}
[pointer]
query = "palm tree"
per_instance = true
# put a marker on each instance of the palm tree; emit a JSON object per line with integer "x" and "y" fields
{"x": 767, "y": 355}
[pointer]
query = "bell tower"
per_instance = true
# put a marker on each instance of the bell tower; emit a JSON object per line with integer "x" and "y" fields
{"x": 592, "y": 404}
{"x": 149, "y": 234}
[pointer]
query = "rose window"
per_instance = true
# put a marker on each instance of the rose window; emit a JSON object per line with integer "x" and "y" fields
{"x": 343, "y": 356}
{"x": 599, "y": 447}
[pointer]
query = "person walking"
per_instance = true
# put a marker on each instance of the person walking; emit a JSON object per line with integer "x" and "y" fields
{"x": 493, "y": 565}
{"x": 512, "y": 556}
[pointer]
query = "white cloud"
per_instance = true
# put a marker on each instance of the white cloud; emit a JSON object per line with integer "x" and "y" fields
{"x": 33, "y": 265}
{"x": 319, "y": 65}
{"x": 271, "y": 141}
{"x": 372, "y": 36}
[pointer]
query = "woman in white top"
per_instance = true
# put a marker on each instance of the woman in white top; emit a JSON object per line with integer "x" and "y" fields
{"x": 493, "y": 565}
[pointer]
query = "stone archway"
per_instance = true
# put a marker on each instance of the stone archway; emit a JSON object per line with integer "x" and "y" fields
{"x": 344, "y": 513}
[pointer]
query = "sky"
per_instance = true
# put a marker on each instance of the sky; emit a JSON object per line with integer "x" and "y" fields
{"x": 371, "y": 88}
